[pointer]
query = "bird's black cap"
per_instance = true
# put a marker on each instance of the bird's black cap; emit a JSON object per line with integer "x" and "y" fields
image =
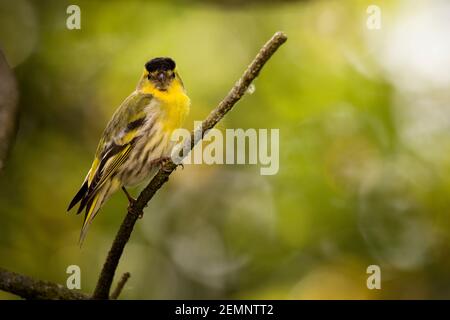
{"x": 160, "y": 64}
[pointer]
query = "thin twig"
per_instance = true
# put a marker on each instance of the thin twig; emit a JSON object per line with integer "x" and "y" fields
{"x": 29, "y": 288}
{"x": 107, "y": 274}
{"x": 120, "y": 286}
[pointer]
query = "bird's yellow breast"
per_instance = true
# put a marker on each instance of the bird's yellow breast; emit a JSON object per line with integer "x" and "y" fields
{"x": 174, "y": 103}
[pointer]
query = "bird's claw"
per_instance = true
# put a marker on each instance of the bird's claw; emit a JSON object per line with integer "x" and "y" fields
{"x": 162, "y": 161}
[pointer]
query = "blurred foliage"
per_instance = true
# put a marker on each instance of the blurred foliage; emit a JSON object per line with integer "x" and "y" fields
{"x": 364, "y": 151}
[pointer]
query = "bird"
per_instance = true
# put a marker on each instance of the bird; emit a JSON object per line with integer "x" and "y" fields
{"x": 137, "y": 140}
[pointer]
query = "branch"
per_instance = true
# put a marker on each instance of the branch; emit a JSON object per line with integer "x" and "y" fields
{"x": 28, "y": 288}
{"x": 8, "y": 108}
{"x": 109, "y": 268}
{"x": 120, "y": 286}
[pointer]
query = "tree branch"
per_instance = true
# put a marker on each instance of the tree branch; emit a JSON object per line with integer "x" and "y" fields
{"x": 120, "y": 286}
{"x": 109, "y": 268}
{"x": 29, "y": 288}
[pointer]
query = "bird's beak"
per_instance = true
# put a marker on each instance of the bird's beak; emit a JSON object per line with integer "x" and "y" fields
{"x": 161, "y": 76}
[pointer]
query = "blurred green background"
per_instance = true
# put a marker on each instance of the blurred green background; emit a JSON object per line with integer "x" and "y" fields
{"x": 364, "y": 148}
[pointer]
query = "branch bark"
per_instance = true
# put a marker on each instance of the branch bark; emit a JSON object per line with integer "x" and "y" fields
{"x": 29, "y": 288}
{"x": 109, "y": 268}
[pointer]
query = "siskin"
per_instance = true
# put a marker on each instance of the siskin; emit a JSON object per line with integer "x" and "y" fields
{"x": 137, "y": 138}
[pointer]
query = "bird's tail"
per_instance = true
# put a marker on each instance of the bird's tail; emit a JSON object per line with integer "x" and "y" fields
{"x": 92, "y": 207}
{"x": 91, "y": 200}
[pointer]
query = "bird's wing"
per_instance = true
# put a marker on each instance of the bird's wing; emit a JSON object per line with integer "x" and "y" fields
{"x": 117, "y": 141}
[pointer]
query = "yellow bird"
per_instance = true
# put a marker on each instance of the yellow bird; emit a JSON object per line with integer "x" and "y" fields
{"x": 137, "y": 139}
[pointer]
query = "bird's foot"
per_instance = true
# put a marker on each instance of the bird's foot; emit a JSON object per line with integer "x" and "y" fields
{"x": 161, "y": 162}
